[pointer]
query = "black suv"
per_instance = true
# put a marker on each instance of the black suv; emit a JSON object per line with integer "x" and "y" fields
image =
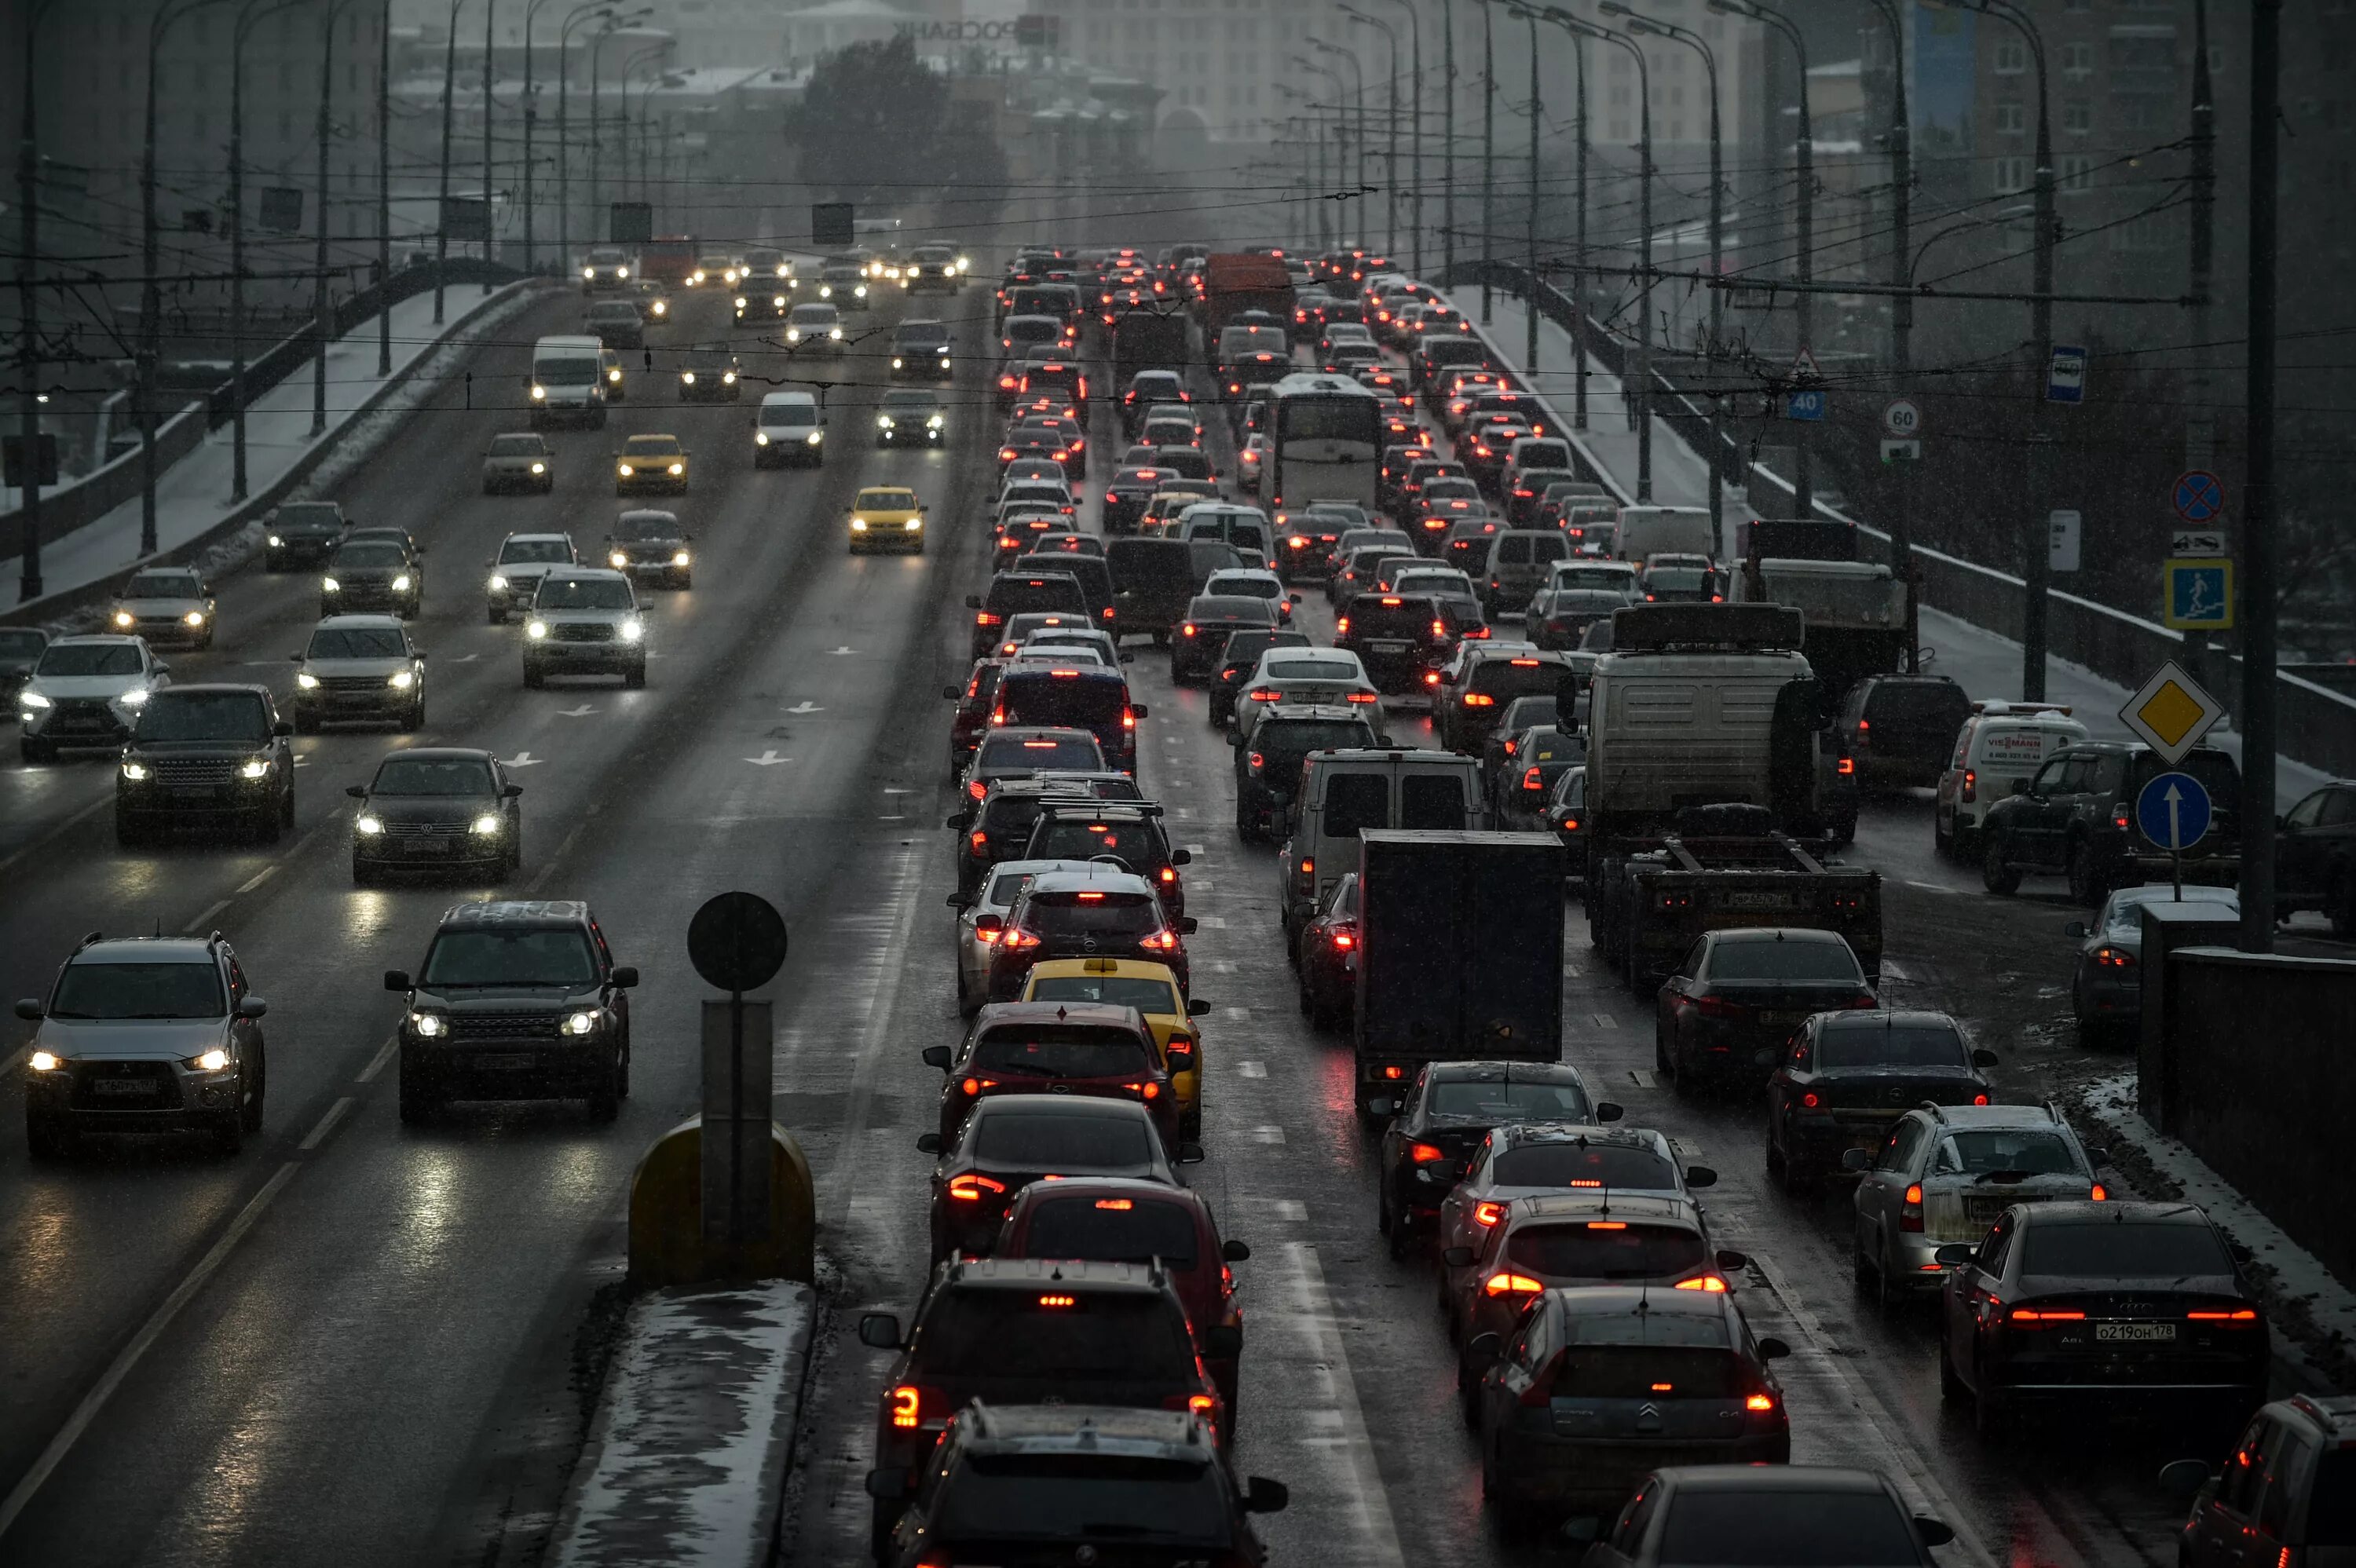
{"x": 436, "y": 808}
{"x": 1902, "y": 729}
{"x": 301, "y": 533}
{"x": 1399, "y": 638}
{"x": 2077, "y": 817}
{"x": 206, "y": 754}
{"x": 516, "y": 1000}
{"x": 1082, "y": 829}
{"x": 2287, "y": 1494}
{"x": 1052, "y": 1483}
{"x": 1267, "y": 766}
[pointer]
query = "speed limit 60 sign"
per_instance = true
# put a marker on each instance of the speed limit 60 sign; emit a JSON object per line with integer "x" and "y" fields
{"x": 1902, "y": 417}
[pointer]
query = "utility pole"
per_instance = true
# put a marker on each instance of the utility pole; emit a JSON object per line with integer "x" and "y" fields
{"x": 322, "y": 328}
{"x": 1488, "y": 159}
{"x": 1530, "y": 294}
{"x": 442, "y": 212}
{"x": 29, "y": 404}
{"x": 2199, "y": 418}
{"x": 384, "y": 189}
{"x": 1804, "y": 152}
{"x": 1580, "y": 285}
{"x": 2261, "y": 549}
{"x": 490, "y": 9}
{"x": 1390, "y": 37}
{"x": 1448, "y": 143}
{"x": 254, "y": 12}
{"x": 1639, "y": 397}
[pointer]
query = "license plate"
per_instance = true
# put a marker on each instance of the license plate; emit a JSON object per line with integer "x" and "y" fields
{"x": 1387, "y": 647}
{"x": 2134, "y": 1332}
{"x": 123, "y": 1085}
{"x": 1781, "y": 1020}
{"x": 1986, "y": 1209}
{"x": 1738, "y": 899}
{"x": 502, "y": 1063}
{"x": 192, "y": 792}
{"x": 426, "y": 848}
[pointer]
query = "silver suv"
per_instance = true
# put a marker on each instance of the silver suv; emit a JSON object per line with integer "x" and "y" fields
{"x": 145, "y": 1034}
{"x": 86, "y": 691}
{"x": 584, "y": 621}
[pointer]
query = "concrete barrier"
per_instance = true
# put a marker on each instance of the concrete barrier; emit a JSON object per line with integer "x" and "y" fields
{"x": 667, "y": 1245}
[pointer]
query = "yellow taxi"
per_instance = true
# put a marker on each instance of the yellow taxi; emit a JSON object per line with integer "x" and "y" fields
{"x": 1153, "y": 990}
{"x": 886, "y": 516}
{"x": 655, "y": 464}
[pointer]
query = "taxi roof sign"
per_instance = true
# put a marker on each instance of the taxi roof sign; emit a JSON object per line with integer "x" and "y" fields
{"x": 2171, "y": 712}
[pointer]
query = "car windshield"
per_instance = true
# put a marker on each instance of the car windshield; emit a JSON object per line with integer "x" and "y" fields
{"x": 886, "y": 500}
{"x": 1605, "y": 1249}
{"x": 186, "y": 990}
{"x": 1069, "y": 839}
{"x": 1070, "y": 1143}
{"x": 1060, "y": 1050}
{"x": 1119, "y": 1230}
{"x": 88, "y": 658}
{"x": 317, "y": 513}
{"x": 2124, "y": 1249}
{"x": 582, "y": 593}
{"x": 911, "y": 402}
{"x": 1046, "y": 698}
{"x": 1072, "y": 1497}
{"x": 554, "y": 955}
{"x": 516, "y": 446}
{"x": 2030, "y": 1150}
{"x": 1282, "y": 746}
{"x": 806, "y": 316}
{"x": 651, "y": 446}
{"x": 1147, "y": 996}
{"x": 1779, "y": 960}
{"x": 2126, "y": 910}
{"x": 645, "y": 526}
{"x": 1008, "y": 753}
{"x": 163, "y": 585}
{"x": 1505, "y": 1102}
{"x": 236, "y": 716}
{"x": 788, "y": 413}
{"x": 358, "y": 643}
{"x": 432, "y": 775}
{"x": 519, "y": 551}
{"x": 1584, "y": 1165}
{"x": 1784, "y": 1529}
{"x": 1899, "y": 1045}
{"x": 1654, "y": 1371}
{"x": 1314, "y": 670}
{"x": 369, "y": 556}
{"x": 1091, "y": 913}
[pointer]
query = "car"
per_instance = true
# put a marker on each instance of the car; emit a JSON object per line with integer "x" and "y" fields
{"x": 1204, "y": 627}
{"x": 303, "y": 533}
{"x": 1902, "y": 729}
{"x": 1267, "y": 768}
{"x": 1558, "y": 617}
{"x": 609, "y": 364}
{"x": 1011, "y": 1140}
{"x": 1123, "y": 1480}
{"x": 86, "y": 690}
{"x": 1574, "y": 1411}
{"x": 1325, "y": 957}
{"x": 1059, "y": 693}
{"x": 654, "y": 301}
{"x": 1475, "y": 691}
{"x": 843, "y": 282}
{"x": 2314, "y": 857}
{"x": 995, "y": 830}
{"x": 1943, "y": 1173}
{"x": 1738, "y": 992}
{"x": 2077, "y": 817}
{"x": 516, "y": 999}
{"x": 206, "y": 754}
{"x": 21, "y": 649}
{"x": 1672, "y": 579}
{"x": 651, "y": 464}
{"x": 605, "y": 267}
{"x": 708, "y": 374}
{"x": 584, "y": 621}
{"x": 814, "y": 329}
{"x": 1535, "y": 760}
{"x": 1128, "y": 835}
{"x": 1753, "y": 1514}
{"x": 1399, "y": 638}
{"x": 359, "y": 667}
{"x": 1055, "y": 1048}
{"x": 646, "y": 544}
{"x": 2069, "y": 1304}
{"x": 973, "y": 697}
{"x": 1250, "y": 582}
{"x": 1566, "y": 818}
{"x": 1237, "y": 660}
{"x": 521, "y": 460}
{"x": 921, "y": 350}
{"x": 167, "y": 606}
{"x": 1021, "y": 632}
{"x": 1150, "y": 988}
{"x": 1445, "y": 1117}
{"x": 516, "y": 570}
{"x": 767, "y": 267}
{"x": 1067, "y": 914}
{"x": 788, "y": 429}
{"x": 1304, "y": 678}
{"x": 372, "y": 574}
{"x": 1148, "y": 389}
{"x": 911, "y": 416}
{"x": 763, "y": 296}
{"x": 1517, "y": 1160}
{"x": 141, "y": 1035}
{"x": 1846, "y": 1077}
{"x": 2285, "y": 1491}
{"x": 993, "y": 894}
{"x": 886, "y": 517}
{"x": 1022, "y": 752}
{"x": 713, "y": 266}
{"x": 1999, "y": 748}
{"x": 934, "y": 268}
{"x": 614, "y": 323}
{"x": 436, "y": 808}
{"x": 2107, "y": 980}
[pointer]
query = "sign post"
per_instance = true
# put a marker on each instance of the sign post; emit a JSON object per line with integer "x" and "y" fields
{"x": 737, "y": 943}
{"x": 2174, "y": 812}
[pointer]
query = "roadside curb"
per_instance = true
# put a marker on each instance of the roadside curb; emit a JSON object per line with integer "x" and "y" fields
{"x": 691, "y": 1450}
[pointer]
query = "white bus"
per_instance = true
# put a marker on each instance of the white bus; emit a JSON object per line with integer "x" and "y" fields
{"x": 1325, "y": 444}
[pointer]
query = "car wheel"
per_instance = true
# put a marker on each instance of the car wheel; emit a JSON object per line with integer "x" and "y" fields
{"x": 46, "y": 1138}
{"x": 267, "y": 822}
{"x": 363, "y": 874}
{"x": 250, "y": 1114}
{"x": 1861, "y": 1268}
{"x": 636, "y": 678}
{"x": 1994, "y": 875}
{"x": 414, "y": 720}
{"x": 495, "y": 616}
{"x": 604, "y": 1097}
{"x": 1991, "y": 1414}
{"x": 418, "y": 1101}
{"x": 534, "y": 678}
{"x": 2086, "y": 881}
{"x": 881, "y": 1520}
{"x": 2339, "y": 908}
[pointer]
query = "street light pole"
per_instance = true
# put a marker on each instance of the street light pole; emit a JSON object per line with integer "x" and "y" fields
{"x": 151, "y": 304}
{"x": 572, "y": 19}
{"x": 2261, "y": 547}
{"x": 1804, "y": 491}
{"x": 1357, "y": 107}
{"x": 1579, "y": 284}
{"x": 1639, "y": 397}
{"x": 1391, "y": 191}
{"x": 1530, "y": 299}
{"x": 441, "y": 213}
{"x": 1488, "y": 157}
{"x": 1415, "y": 135}
{"x": 1448, "y": 142}
{"x": 29, "y": 408}
{"x": 322, "y": 326}
{"x": 254, "y": 12}
{"x": 1901, "y": 191}
{"x": 384, "y": 189}
{"x": 491, "y": 251}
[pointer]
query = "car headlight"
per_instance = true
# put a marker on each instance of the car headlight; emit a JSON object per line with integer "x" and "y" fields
{"x": 402, "y": 679}
{"x": 429, "y": 1025}
{"x": 621, "y": 271}
{"x": 542, "y": 468}
{"x": 122, "y": 618}
{"x": 626, "y": 471}
{"x": 815, "y": 437}
{"x": 277, "y": 543}
{"x": 498, "y": 584}
{"x": 213, "y": 1060}
{"x": 255, "y": 768}
{"x": 895, "y": 362}
{"x": 618, "y": 558}
{"x": 935, "y": 422}
{"x": 134, "y": 771}
{"x": 589, "y": 273}
{"x": 34, "y": 699}
{"x": 615, "y": 375}
{"x": 329, "y": 585}
{"x": 679, "y": 558}
{"x": 539, "y": 391}
{"x": 793, "y": 334}
{"x": 306, "y": 680}
{"x": 43, "y": 1062}
{"x": 677, "y": 469}
{"x": 945, "y": 361}
{"x": 760, "y": 438}
{"x": 134, "y": 697}
{"x": 401, "y": 583}
{"x": 632, "y": 630}
{"x": 535, "y": 629}
{"x": 834, "y": 333}
{"x": 194, "y": 617}
{"x": 369, "y": 824}
{"x": 861, "y": 291}
{"x": 778, "y": 302}
{"x": 826, "y": 291}
{"x": 728, "y": 377}
{"x": 884, "y": 421}
{"x": 740, "y": 301}
{"x": 964, "y": 262}
{"x": 663, "y": 307}
{"x": 859, "y": 525}
{"x": 687, "y": 377}
{"x": 913, "y": 524}
{"x": 580, "y": 1023}
{"x": 488, "y": 824}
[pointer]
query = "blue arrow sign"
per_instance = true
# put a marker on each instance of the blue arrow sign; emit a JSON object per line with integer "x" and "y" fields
{"x": 2173, "y": 810}
{"x": 1806, "y": 405}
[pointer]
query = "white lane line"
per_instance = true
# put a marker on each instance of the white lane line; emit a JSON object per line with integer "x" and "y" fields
{"x": 1930, "y": 887}
{"x": 1292, "y": 1211}
{"x": 1570, "y": 970}
{"x": 1893, "y": 970}
{"x": 1266, "y": 1135}
{"x": 255, "y": 881}
{"x": 1643, "y": 1078}
{"x": 205, "y": 919}
{"x": 1378, "y": 1543}
{"x": 1251, "y": 1069}
{"x": 1213, "y": 922}
{"x": 326, "y": 1124}
{"x": 548, "y": 867}
{"x": 1222, "y": 966}
{"x": 880, "y": 1002}
{"x": 1604, "y": 1021}
{"x": 376, "y": 1063}
{"x": 1236, "y": 1012}
{"x": 149, "y": 1332}
{"x": 1196, "y": 849}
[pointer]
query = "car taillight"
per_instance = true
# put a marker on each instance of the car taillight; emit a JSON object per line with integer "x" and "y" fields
{"x": 1341, "y": 626}
{"x": 2119, "y": 816}
{"x": 1533, "y": 779}
{"x": 1169, "y": 874}
{"x": 2098, "y": 1193}
{"x": 1017, "y": 938}
{"x": 1511, "y": 1284}
{"x": 1163, "y": 941}
{"x": 1180, "y": 1045}
{"x": 1970, "y": 792}
{"x": 1187, "y": 630}
{"x": 1488, "y": 1214}
{"x": 2032, "y": 1316}
{"x": 1709, "y": 1282}
{"x": 1758, "y": 1403}
{"x": 1910, "y": 1209}
{"x": 988, "y": 938}
{"x": 1717, "y": 1006}
{"x": 970, "y": 1188}
{"x": 1424, "y": 1154}
{"x": 906, "y": 1404}
{"x": 1479, "y": 700}
{"x": 979, "y": 842}
{"x": 985, "y": 618}
{"x": 2242, "y": 1315}
{"x": 1440, "y": 628}
{"x": 973, "y": 1086}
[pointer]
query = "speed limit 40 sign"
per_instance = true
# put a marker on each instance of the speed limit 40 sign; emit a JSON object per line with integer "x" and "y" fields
{"x": 1902, "y": 418}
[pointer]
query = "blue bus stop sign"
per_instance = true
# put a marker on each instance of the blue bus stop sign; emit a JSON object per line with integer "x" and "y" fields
{"x": 2173, "y": 810}
{"x": 1806, "y": 405}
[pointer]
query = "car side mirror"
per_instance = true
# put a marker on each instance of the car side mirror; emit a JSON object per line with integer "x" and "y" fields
{"x": 1954, "y": 1254}
{"x": 2075, "y": 928}
{"x": 937, "y": 1056}
{"x": 2241, "y": 1254}
{"x": 1933, "y": 1532}
{"x": 1130, "y": 658}
{"x": 1457, "y": 1257}
{"x": 1701, "y": 1176}
{"x": 1188, "y": 926}
{"x": 928, "y": 1143}
{"x": 1264, "y": 1496}
{"x": 1294, "y": 597}
{"x": 1730, "y": 1261}
{"x": 1765, "y": 1056}
{"x": 2021, "y": 786}
{"x": 396, "y": 980}
{"x": 357, "y": 791}
{"x": 879, "y": 1330}
{"x": 1773, "y": 1350}
{"x": 1223, "y": 1340}
{"x": 282, "y": 728}
{"x": 958, "y": 900}
{"x": 1235, "y": 1252}
{"x": 253, "y": 1007}
{"x": 625, "y": 976}
{"x": 2098, "y": 1156}
{"x": 952, "y": 693}
{"x": 1609, "y": 1110}
{"x": 1197, "y": 1007}
{"x": 1486, "y": 1346}
{"x": 1138, "y": 711}
{"x": 1190, "y": 1153}
{"x": 1181, "y": 858}
{"x": 887, "y": 1483}
{"x": 1856, "y": 1159}
{"x": 973, "y": 601}
{"x": 294, "y": 658}
{"x": 1584, "y": 1530}
{"x": 30, "y": 1010}
{"x": 1984, "y": 1058}
{"x": 2183, "y": 1478}
{"x": 508, "y": 792}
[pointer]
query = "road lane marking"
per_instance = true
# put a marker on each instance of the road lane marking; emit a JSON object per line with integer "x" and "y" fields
{"x": 581, "y": 712}
{"x": 326, "y": 1124}
{"x": 1570, "y": 970}
{"x": 376, "y": 1063}
{"x": 880, "y": 1002}
{"x": 1222, "y": 966}
{"x": 1643, "y": 1078}
{"x": 255, "y": 881}
{"x": 1292, "y": 1211}
{"x": 1930, "y": 887}
{"x": 205, "y": 919}
{"x": 521, "y": 759}
{"x": 1350, "y": 1443}
{"x": 1251, "y": 1069}
{"x": 140, "y": 1343}
{"x": 1893, "y": 970}
{"x": 1267, "y": 1134}
{"x": 1604, "y": 1021}
{"x": 767, "y": 759}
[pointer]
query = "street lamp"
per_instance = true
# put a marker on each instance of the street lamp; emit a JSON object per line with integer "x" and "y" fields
{"x": 29, "y": 415}
{"x": 441, "y": 213}
{"x": 652, "y": 54}
{"x": 573, "y": 18}
{"x": 1488, "y": 159}
{"x": 1448, "y": 141}
{"x": 530, "y": 119}
{"x": 596, "y": 103}
{"x": 322, "y": 327}
{"x": 1390, "y": 155}
{"x": 1415, "y": 32}
{"x": 253, "y": 11}
{"x": 1581, "y": 283}
{"x": 1332, "y": 237}
{"x": 1901, "y": 190}
{"x": 1640, "y": 24}
{"x": 490, "y": 8}
{"x": 1358, "y": 106}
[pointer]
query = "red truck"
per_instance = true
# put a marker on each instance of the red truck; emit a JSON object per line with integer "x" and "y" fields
{"x": 667, "y": 258}
{"x": 1234, "y": 283}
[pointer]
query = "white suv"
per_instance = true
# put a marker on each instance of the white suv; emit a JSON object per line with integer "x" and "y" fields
{"x": 86, "y": 691}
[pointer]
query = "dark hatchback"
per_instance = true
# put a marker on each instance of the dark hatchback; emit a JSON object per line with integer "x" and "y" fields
{"x": 1453, "y": 1106}
{"x": 1204, "y": 630}
{"x": 1013, "y": 1140}
{"x": 1020, "y": 593}
{"x": 1762, "y": 1514}
{"x": 1074, "y": 914}
{"x": 651, "y": 546}
{"x": 2077, "y": 817}
{"x": 1847, "y": 1077}
{"x": 1902, "y": 729}
{"x": 1076, "y": 697}
{"x": 301, "y": 533}
{"x": 2064, "y": 1302}
{"x": 1738, "y": 993}
{"x": 372, "y": 574}
{"x": 437, "y": 808}
{"x": 207, "y": 754}
{"x": 1267, "y": 767}
{"x": 1080, "y": 829}
{"x": 999, "y": 825}
{"x": 974, "y": 699}
{"x": 1055, "y": 1048}
{"x": 1397, "y": 636}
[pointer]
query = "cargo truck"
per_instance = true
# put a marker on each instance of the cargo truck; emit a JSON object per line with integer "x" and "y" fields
{"x": 1148, "y": 341}
{"x": 1234, "y": 284}
{"x": 1854, "y": 611}
{"x": 1459, "y": 940}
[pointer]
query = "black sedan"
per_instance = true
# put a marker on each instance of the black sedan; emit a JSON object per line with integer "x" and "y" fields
{"x": 301, "y": 533}
{"x": 652, "y": 547}
{"x": 1741, "y": 992}
{"x": 1202, "y": 633}
{"x": 437, "y": 808}
{"x": 1241, "y": 658}
{"x": 1013, "y": 1140}
{"x": 1847, "y": 1077}
{"x": 1454, "y": 1105}
{"x": 1763, "y": 1513}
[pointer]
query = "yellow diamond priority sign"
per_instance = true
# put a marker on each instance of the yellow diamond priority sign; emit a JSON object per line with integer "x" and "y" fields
{"x": 2171, "y": 712}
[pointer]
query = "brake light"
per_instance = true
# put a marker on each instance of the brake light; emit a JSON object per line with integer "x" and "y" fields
{"x": 973, "y": 1086}
{"x": 979, "y": 842}
{"x": 1709, "y": 1284}
{"x": 1761, "y": 1403}
{"x": 1607, "y": 1224}
{"x": 989, "y": 938}
{"x": 2119, "y": 816}
{"x": 2240, "y": 1314}
{"x": 985, "y": 618}
{"x": 1120, "y": 1205}
{"x": 1811, "y": 1100}
{"x": 998, "y": 716}
{"x": 1479, "y": 700}
{"x": 2100, "y": 1194}
{"x": 1345, "y": 941}
{"x": 1533, "y": 778}
{"x": 1341, "y": 626}
{"x": 1909, "y": 1209}
{"x": 1265, "y": 694}
{"x": 1019, "y": 938}
{"x": 1970, "y": 792}
{"x": 1424, "y": 1154}
{"x": 2114, "y": 958}
{"x": 907, "y": 1406}
{"x": 1432, "y": 676}
{"x": 1169, "y": 874}
{"x": 1179, "y": 1046}
{"x": 2046, "y": 1314}
{"x": 1055, "y": 1301}
{"x": 1439, "y": 628}
{"x": 1163, "y": 941}
{"x": 970, "y": 1187}
{"x": 1187, "y": 630}
{"x": 1488, "y": 1214}
{"x": 1511, "y": 1284}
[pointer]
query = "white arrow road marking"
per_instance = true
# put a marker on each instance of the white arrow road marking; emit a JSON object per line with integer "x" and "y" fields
{"x": 768, "y": 758}
{"x": 522, "y": 760}
{"x": 845, "y": 650}
{"x": 805, "y": 706}
{"x": 463, "y": 658}
{"x": 899, "y": 792}
{"x": 580, "y": 712}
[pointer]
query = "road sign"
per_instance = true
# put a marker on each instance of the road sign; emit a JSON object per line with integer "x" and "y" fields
{"x": 629, "y": 222}
{"x": 2065, "y": 378}
{"x": 1805, "y": 405}
{"x": 2200, "y": 543}
{"x": 1804, "y": 366}
{"x": 1901, "y": 452}
{"x": 2199, "y": 496}
{"x": 830, "y": 225}
{"x": 2173, "y": 810}
{"x": 2199, "y": 595}
{"x": 2171, "y": 712}
{"x": 1900, "y": 417}
{"x": 2064, "y": 530}
{"x": 736, "y": 941}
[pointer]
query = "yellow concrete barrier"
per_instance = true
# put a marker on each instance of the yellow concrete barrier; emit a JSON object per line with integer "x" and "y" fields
{"x": 667, "y": 1244}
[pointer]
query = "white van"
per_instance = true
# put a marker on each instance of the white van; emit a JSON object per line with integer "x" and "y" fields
{"x": 1344, "y": 791}
{"x": 2001, "y": 744}
{"x": 788, "y": 430}
{"x": 1664, "y": 531}
{"x": 568, "y": 382}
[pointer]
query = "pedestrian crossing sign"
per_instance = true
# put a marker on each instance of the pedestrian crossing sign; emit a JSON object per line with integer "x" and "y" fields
{"x": 2199, "y": 595}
